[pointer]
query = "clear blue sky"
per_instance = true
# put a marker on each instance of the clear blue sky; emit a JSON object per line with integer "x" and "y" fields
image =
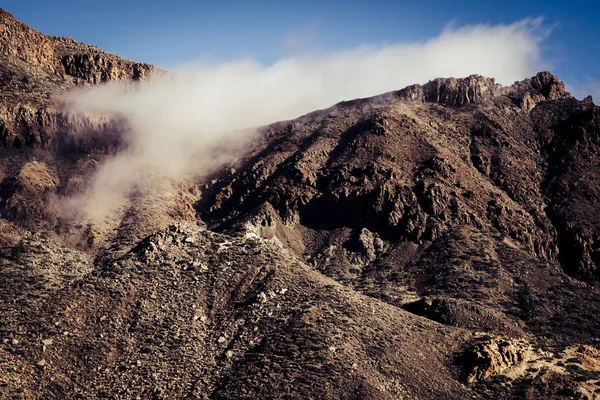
{"x": 168, "y": 33}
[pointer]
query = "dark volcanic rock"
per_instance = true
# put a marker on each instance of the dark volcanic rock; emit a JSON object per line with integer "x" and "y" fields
{"x": 411, "y": 168}
{"x": 572, "y": 187}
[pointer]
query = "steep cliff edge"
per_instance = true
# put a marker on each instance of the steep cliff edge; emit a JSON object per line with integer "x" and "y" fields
{"x": 35, "y": 68}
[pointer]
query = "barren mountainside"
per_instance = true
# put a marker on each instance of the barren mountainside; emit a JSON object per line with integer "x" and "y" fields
{"x": 34, "y": 67}
{"x": 441, "y": 241}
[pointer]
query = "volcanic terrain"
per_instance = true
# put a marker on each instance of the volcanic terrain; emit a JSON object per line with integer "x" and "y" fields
{"x": 441, "y": 241}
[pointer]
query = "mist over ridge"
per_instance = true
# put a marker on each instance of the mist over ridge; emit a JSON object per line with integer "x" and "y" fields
{"x": 179, "y": 121}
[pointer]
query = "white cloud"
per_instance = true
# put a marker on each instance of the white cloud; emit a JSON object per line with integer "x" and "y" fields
{"x": 178, "y": 123}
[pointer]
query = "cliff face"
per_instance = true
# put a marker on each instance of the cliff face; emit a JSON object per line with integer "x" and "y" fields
{"x": 88, "y": 65}
{"x": 63, "y": 56}
{"x": 474, "y": 89}
{"x": 34, "y": 68}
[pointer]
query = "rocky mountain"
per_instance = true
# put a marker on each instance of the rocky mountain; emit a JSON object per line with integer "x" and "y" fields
{"x": 437, "y": 242}
{"x": 34, "y": 67}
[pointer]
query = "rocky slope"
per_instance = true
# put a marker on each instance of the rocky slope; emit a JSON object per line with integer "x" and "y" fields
{"x": 461, "y": 201}
{"x": 440, "y": 241}
{"x": 34, "y": 68}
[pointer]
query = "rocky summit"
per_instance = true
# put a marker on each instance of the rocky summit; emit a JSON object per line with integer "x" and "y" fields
{"x": 440, "y": 241}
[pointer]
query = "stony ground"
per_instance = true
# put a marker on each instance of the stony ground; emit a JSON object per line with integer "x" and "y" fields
{"x": 441, "y": 241}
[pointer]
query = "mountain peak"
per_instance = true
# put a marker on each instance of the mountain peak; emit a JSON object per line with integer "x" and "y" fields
{"x": 549, "y": 86}
{"x": 62, "y": 57}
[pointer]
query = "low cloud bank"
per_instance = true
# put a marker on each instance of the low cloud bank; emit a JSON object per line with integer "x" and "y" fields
{"x": 197, "y": 118}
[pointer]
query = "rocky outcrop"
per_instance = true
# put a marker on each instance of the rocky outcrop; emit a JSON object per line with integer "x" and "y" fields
{"x": 20, "y": 41}
{"x": 34, "y": 68}
{"x": 457, "y": 92}
{"x": 544, "y": 86}
{"x": 27, "y": 126}
{"x": 27, "y": 195}
{"x": 94, "y": 69}
{"x": 477, "y": 89}
{"x": 64, "y": 56}
{"x": 493, "y": 357}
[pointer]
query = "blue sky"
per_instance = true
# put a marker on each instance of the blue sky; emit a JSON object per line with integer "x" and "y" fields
{"x": 175, "y": 32}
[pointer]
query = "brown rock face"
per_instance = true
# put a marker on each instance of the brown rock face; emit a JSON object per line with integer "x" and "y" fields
{"x": 64, "y": 56}
{"x": 25, "y": 196}
{"x": 93, "y": 67}
{"x": 34, "y": 68}
{"x": 477, "y": 89}
{"x": 493, "y": 357}
{"x": 20, "y": 41}
{"x": 474, "y": 89}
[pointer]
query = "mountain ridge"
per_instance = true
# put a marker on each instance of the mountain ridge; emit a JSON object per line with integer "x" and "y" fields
{"x": 437, "y": 241}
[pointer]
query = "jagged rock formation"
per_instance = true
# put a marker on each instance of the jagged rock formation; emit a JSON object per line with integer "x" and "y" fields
{"x": 73, "y": 62}
{"x": 493, "y": 357}
{"x": 439, "y": 241}
{"x": 34, "y": 68}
